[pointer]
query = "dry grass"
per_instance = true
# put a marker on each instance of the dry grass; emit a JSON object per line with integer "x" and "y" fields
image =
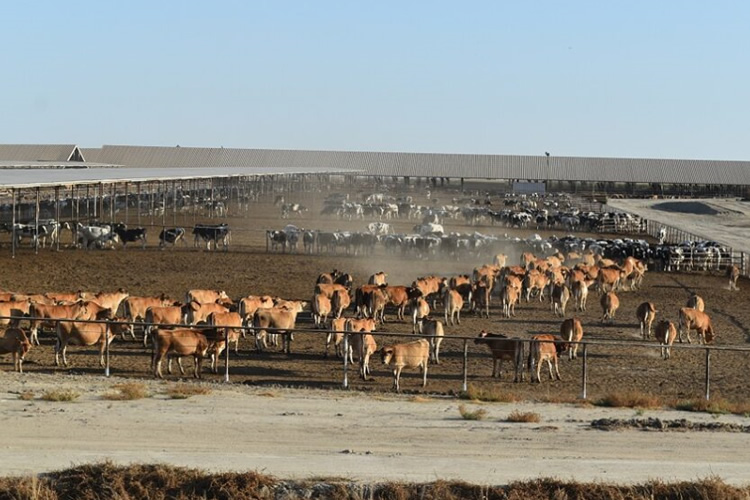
{"x": 466, "y": 414}
{"x": 26, "y": 395}
{"x": 268, "y": 394}
{"x": 127, "y": 391}
{"x": 492, "y": 395}
{"x": 630, "y": 399}
{"x": 184, "y": 391}
{"x": 420, "y": 399}
{"x": 60, "y": 395}
{"x": 157, "y": 482}
{"x": 716, "y": 406}
{"x": 523, "y": 417}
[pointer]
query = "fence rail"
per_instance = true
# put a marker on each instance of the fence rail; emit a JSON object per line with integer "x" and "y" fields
{"x": 586, "y": 345}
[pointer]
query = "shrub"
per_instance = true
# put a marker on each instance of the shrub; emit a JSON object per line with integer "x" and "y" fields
{"x": 492, "y": 395}
{"x": 466, "y": 414}
{"x": 184, "y": 391}
{"x": 127, "y": 392}
{"x": 527, "y": 417}
{"x": 630, "y": 399}
{"x": 60, "y": 395}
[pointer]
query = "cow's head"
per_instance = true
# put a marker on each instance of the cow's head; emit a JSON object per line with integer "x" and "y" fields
{"x": 386, "y": 354}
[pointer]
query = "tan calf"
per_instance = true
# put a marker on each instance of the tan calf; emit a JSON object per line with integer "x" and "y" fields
{"x": 693, "y": 319}
{"x": 135, "y": 308}
{"x": 572, "y": 330}
{"x": 380, "y": 278}
{"x": 362, "y": 343}
{"x": 545, "y": 348}
{"x": 646, "y": 312}
{"x": 560, "y": 297}
{"x": 340, "y": 303}
{"x": 321, "y": 308}
{"x": 420, "y": 309}
{"x": 45, "y": 315}
{"x": 282, "y": 319}
{"x": 610, "y": 303}
{"x": 15, "y": 342}
{"x": 336, "y": 336}
{"x": 696, "y": 302}
{"x": 733, "y": 272}
{"x": 16, "y": 308}
{"x": 178, "y": 343}
{"x": 501, "y": 347}
{"x": 452, "y": 303}
{"x": 206, "y": 296}
{"x": 414, "y": 354}
{"x": 665, "y": 333}
{"x": 433, "y": 328}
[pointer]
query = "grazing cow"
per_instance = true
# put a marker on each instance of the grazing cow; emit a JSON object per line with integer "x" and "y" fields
{"x": 279, "y": 318}
{"x": 207, "y": 296}
{"x": 162, "y": 315}
{"x": 560, "y": 296}
{"x": 580, "y": 289}
{"x": 135, "y": 308}
{"x": 83, "y": 334}
{"x": 321, "y": 308}
{"x": 15, "y": 342}
{"x": 179, "y": 342}
{"x": 696, "y": 302}
{"x": 645, "y": 313}
{"x": 171, "y": 236}
{"x": 130, "y": 235}
{"x": 361, "y": 342}
{"x": 733, "y": 272}
{"x": 665, "y": 333}
{"x": 692, "y": 319}
{"x": 608, "y": 279}
{"x": 609, "y": 302}
{"x": 216, "y": 233}
{"x": 420, "y": 309}
{"x": 502, "y": 348}
{"x": 336, "y": 336}
{"x": 452, "y": 303}
{"x": 379, "y": 278}
{"x": 414, "y": 354}
{"x": 44, "y": 315}
{"x": 572, "y": 331}
{"x": 545, "y": 348}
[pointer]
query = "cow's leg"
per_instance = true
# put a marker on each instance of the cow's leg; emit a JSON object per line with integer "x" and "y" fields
{"x": 157, "y": 367}
{"x": 496, "y": 367}
{"x": 329, "y": 337}
{"x": 197, "y": 364}
{"x": 458, "y": 316}
{"x": 396, "y": 377}
{"x": 64, "y": 352}
{"x": 424, "y": 374}
{"x": 557, "y": 371}
{"x": 179, "y": 364}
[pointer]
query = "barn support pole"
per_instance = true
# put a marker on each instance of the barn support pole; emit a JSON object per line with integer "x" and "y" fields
{"x": 13, "y": 226}
{"x": 194, "y": 198}
{"x": 151, "y": 200}
{"x": 226, "y": 358}
{"x": 346, "y": 361}
{"x": 139, "y": 203}
{"x": 88, "y": 200}
{"x": 57, "y": 217}
{"x": 127, "y": 203}
{"x": 106, "y": 351}
{"x": 465, "y": 386}
{"x": 584, "y": 372}
{"x": 77, "y": 199}
{"x": 708, "y": 373}
{"x": 211, "y": 206}
{"x": 174, "y": 203}
{"x": 112, "y": 202}
{"x": 36, "y": 223}
{"x": 164, "y": 207}
{"x": 101, "y": 200}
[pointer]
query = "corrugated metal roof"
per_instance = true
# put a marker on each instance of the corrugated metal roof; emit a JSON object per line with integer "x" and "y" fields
{"x": 432, "y": 165}
{"x": 36, "y": 152}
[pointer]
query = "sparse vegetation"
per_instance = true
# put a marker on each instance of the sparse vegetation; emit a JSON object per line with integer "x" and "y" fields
{"x": 60, "y": 395}
{"x": 420, "y": 399}
{"x": 184, "y": 391}
{"x": 715, "y": 406}
{"x": 466, "y": 414}
{"x": 127, "y": 391}
{"x": 26, "y": 395}
{"x": 630, "y": 399}
{"x": 492, "y": 395}
{"x": 149, "y": 482}
{"x": 523, "y": 417}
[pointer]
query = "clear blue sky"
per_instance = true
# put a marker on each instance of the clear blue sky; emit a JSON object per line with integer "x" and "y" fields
{"x": 663, "y": 79}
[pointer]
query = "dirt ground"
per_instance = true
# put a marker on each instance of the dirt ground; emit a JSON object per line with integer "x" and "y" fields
{"x": 367, "y": 433}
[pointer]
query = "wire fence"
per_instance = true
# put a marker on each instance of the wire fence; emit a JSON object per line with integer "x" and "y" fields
{"x": 586, "y": 346}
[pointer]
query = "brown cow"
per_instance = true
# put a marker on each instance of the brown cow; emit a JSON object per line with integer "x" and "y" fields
{"x": 399, "y": 297}
{"x": 508, "y": 299}
{"x": 378, "y": 301}
{"x": 83, "y": 334}
{"x": 15, "y": 342}
{"x": 197, "y": 312}
{"x": 499, "y": 260}
{"x": 502, "y": 348}
{"x": 46, "y": 314}
{"x": 328, "y": 289}
{"x": 179, "y": 342}
{"x": 696, "y": 302}
{"x": 414, "y": 354}
{"x": 608, "y": 279}
{"x": 65, "y": 296}
{"x": 248, "y": 305}
{"x": 362, "y": 343}
{"x": 480, "y": 297}
{"x": 572, "y": 331}
{"x": 693, "y": 319}
{"x": 161, "y": 315}
{"x": 135, "y": 308}
{"x": 733, "y": 272}
{"x": 207, "y": 296}
{"x": 433, "y": 328}
{"x": 580, "y": 290}
{"x": 340, "y": 302}
{"x": 337, "y": 326}
{"x": 560, "y": 296}
{"x": 321, "y": 308}
{"x": 429, "y": 286}
{"x": 452, "y": 303}
{"x": 645, "y": 313}
{"x": 281, "y": 319}
{"x": 535, "y": 280}
{"x": 362, "y": 299}
{"x": 420, "y": 309}
{"x": 15, "y": 308}
{"x": 111, "y": 300}
{"x": 665, "y": 333}
{"x": 379, "y": 278}
{"x": 609, "y": 302}
{"x": 227, "y": 324}
{"x": 545, "y": 348}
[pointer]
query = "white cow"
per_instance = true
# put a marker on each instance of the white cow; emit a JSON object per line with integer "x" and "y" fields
{"x": 99, "y": 236}
{"x": 380, "y": 228}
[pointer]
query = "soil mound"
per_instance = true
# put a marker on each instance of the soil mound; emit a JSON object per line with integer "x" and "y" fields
{"x": 686, "y": 207}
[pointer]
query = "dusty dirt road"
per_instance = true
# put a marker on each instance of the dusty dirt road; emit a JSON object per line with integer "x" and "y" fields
{"x": 304, "y": 434}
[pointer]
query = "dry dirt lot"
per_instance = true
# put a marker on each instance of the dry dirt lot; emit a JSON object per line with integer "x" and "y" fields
{"x": 248, "y": 269}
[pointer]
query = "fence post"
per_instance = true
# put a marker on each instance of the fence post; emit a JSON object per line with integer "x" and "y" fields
{"x": 226, "y": 359}
{"x": 107, "y": 333}
{"x": 584, "y": 372}
{"x": 708, "y": 373}
{"x": 346, "y": 361}
{"x": 466, "y": 365}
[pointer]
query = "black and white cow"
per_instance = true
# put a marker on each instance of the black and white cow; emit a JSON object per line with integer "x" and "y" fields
{"x": 171, "y": 236}
{"x": 292, "y": 208}
{"x": 130, "y": 235}
{"x": 216, "y": 233}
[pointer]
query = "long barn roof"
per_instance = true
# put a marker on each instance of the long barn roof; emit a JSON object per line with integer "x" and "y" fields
{"x": 470, "y": 166}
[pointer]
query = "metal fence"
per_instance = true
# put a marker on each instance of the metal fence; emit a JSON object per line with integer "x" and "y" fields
{"x": 586, "y": 346}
